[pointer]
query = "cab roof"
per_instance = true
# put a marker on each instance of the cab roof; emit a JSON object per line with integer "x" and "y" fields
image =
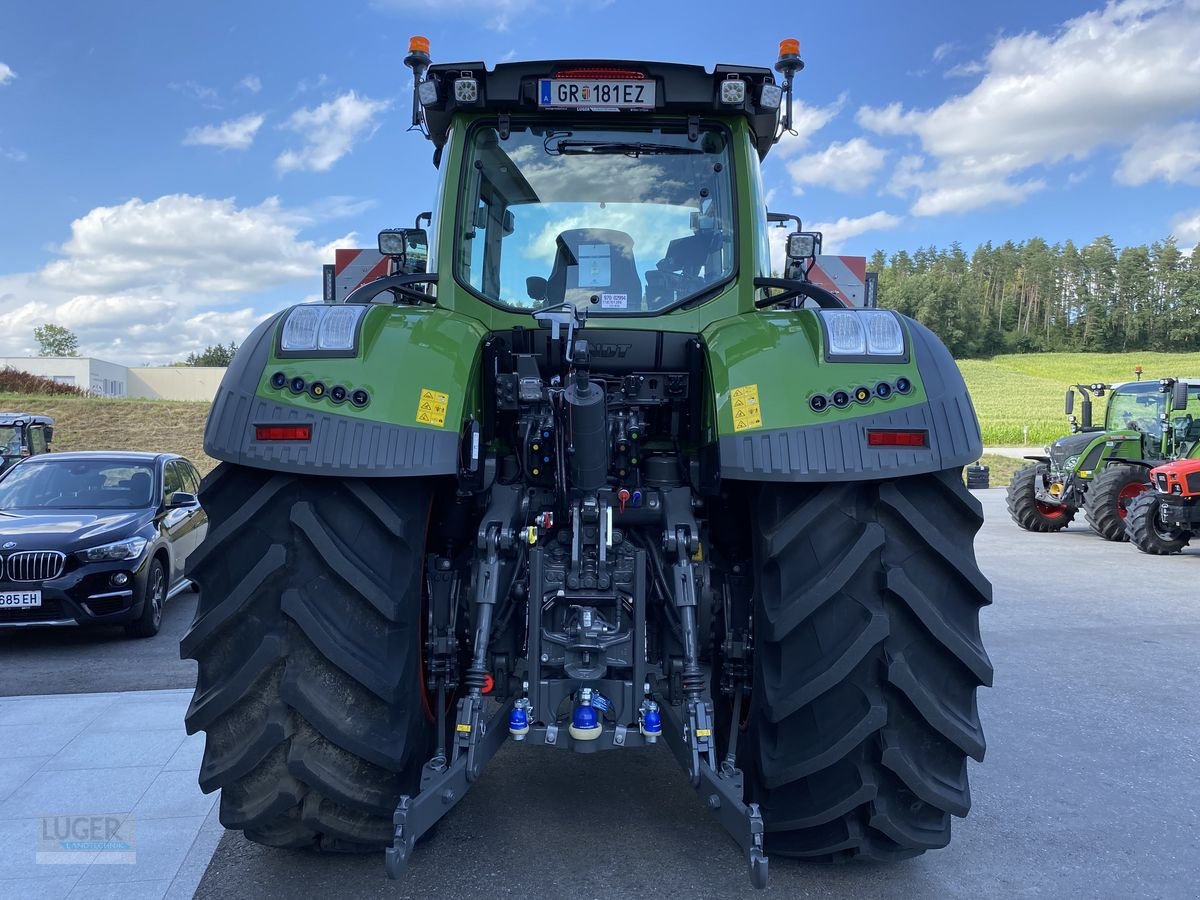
{"x": 21, "y": 418}
{"x": 681, "y": 91}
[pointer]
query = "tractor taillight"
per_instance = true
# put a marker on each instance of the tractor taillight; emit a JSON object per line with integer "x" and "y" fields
{"x": 881, "y": 438}
{"x": 596, "y": 74}
{"x": 283, "y": 432}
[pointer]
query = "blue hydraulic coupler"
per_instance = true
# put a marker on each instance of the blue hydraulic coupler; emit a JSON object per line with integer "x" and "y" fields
{"x": 518, "y": 721}
{"x": 585, "y": 720}
{"x": 651, "y": 724}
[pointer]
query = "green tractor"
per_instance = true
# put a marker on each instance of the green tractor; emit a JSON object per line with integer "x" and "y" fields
{"x": 1101, "y": 469}
{"x": 22, "y": 435}
{"x": 580, "y": 474}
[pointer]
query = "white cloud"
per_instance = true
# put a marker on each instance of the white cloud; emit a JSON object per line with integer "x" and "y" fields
{"x": 206, "y": 95}
{"x": 236, "y": 134}
{"x": 153, "y": 281}
{"x": 806, "y": 121}
{"x": 495, "y": 15}
{"x": 13, "y": 154}
{"x": 1186, "y": 228}
{"x": 941, "y": 51}
{"x": 833, "y": 233}
{"x": 6, "y": 73}
{"x": 842, "y": 166}
{"x": 1101, "y": 79}
{"x": 845, "y": 228}
{"x": 330, "y": 131}
{"x": 965, "y": 70}
{"x": 251, "y": 83}
{"x": 1172, "y": 155}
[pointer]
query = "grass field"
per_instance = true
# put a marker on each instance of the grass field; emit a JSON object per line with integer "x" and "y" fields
{"x": 1010, "y": 394}
{"x": 1015, "y": 392}
{"x": 87, "y": 423}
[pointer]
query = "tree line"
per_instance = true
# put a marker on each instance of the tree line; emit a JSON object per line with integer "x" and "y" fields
{"x": 1032, "y": 296}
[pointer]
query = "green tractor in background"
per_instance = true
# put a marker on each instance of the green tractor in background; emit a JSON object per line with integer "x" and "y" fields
{"x": 581, "y": 474}
{"x": 1101, "y": 469}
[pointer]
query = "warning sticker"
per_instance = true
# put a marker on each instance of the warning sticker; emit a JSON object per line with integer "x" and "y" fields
{"x": 614, "y": 301}
{"x": 746, "y": 411}
{"x": 431, "y": 408}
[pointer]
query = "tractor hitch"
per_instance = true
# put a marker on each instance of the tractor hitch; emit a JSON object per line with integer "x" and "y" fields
{"x": 443, "y": 786}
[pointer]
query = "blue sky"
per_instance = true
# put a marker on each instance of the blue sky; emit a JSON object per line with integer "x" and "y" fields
{"x": 170, "y": 173}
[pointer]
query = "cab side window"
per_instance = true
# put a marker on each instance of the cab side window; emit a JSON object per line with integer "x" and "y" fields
{"x": 37, "y": 440}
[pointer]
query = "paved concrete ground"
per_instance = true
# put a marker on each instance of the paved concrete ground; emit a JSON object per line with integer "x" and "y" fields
{"x": 1091, "y": 786}
{"x": 114, "y": 772}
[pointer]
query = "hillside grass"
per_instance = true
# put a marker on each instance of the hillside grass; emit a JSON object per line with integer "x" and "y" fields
{"x": 89, "y": 423}
{"x": 1010, "y": 393}
{"x": 1019, "y": 391}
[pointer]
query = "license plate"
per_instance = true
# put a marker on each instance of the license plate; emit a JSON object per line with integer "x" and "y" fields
{"x": 579, "y": 93}
{"x": 20, "y": 599}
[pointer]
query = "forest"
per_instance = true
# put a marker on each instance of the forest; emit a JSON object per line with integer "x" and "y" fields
{"x": 1033, "y": 296}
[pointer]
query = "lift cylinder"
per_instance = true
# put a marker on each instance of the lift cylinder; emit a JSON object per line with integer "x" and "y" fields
{"x": 589, "y": 436}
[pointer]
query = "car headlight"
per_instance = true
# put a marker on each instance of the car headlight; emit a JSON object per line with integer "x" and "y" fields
{"x": 130, "y": 548}
{"x": 319, "y": 328}
{"x": 857, "y": 333}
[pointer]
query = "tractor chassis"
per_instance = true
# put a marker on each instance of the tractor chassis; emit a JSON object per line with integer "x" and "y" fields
{"x": 687, "y": 713}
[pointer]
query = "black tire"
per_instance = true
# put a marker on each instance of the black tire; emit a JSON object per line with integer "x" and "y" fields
{"x": 867, "y": 657}
{"x": 1145, "y": 532}
{"x": 1109, "y": 496}
{"x": 149, "y": 622}
{"x": 1026, "y": 510}
{"x": 307, "y": 636}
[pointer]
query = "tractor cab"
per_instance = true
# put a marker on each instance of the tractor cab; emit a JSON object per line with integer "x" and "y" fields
{"x": 21, "y": 435}
{"x": 624, "y": 189}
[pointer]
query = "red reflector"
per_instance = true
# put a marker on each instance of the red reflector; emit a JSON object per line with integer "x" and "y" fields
{"x": 489, "y": 684}
{"x": 897, "y": 438}
{"x": 623, "y": 74}
{"x": 283, "y": 432}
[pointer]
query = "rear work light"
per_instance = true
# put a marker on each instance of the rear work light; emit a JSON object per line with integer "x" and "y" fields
{"x": 283, "y": 432}
{"x": 879, "y": 438}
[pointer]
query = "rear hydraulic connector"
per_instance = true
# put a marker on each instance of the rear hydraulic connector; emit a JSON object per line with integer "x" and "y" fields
{"x": 650, "y": 721}
{"x": 585, "y": 719}
{"x": 519, "y": 719}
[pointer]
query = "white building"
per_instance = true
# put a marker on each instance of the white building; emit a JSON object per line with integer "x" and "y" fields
{"x": 105, "y": 379}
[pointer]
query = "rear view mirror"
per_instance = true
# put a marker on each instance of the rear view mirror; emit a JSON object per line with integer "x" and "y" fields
{"x": 182, "y": 498}
{"x": 1179, "y": 395}
{"x": 1070, "y": 404}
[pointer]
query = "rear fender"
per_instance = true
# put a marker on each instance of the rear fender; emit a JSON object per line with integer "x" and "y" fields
{"x": 766, "y": 369}
{"x": 419, "y": 367}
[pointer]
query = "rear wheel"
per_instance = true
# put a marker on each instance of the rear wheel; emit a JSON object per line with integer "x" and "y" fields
{"x": 1147, "y": 532}
{"x": 1109, "y": 497}
{"x": 1027, "y": 510}
{"x": 307, "y": 637}
{"x": 867, "y": 657}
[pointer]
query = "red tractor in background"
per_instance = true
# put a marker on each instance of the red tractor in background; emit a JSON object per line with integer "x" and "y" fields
{"x": 1164, "y": 520}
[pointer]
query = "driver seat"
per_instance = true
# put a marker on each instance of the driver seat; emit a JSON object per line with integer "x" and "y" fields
{"x": 595, "y": 262}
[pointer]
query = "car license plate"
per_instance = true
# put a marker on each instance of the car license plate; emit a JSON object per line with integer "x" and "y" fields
{"x": 20, "y": 599}
{"x": 580, "y": 93}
